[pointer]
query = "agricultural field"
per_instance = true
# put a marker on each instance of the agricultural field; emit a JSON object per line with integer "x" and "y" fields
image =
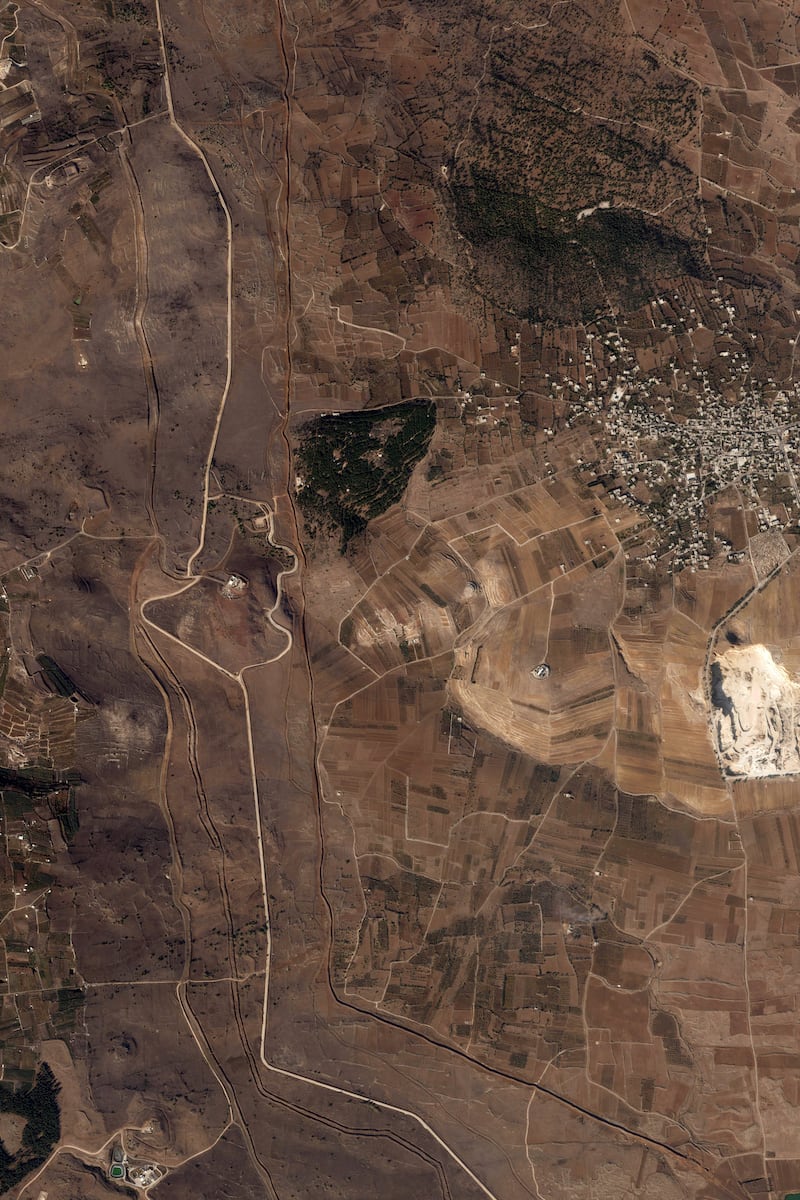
{"x": 399, "y": 635}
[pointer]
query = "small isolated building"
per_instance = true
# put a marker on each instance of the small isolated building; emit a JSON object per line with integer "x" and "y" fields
{"x": 235, "y": 585}
{"x": 541, "y": 672}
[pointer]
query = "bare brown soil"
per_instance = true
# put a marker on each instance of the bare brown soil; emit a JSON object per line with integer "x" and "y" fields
{"x": 413, "y": 870}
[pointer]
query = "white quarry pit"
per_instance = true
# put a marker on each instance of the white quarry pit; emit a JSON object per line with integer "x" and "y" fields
{"x": 755, "y": 713}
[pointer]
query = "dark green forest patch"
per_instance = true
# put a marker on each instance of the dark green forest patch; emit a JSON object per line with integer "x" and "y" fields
{"x": 38, "y": 1105}
{"x": 564, "y": 269}
{"x": 355, "y": 465}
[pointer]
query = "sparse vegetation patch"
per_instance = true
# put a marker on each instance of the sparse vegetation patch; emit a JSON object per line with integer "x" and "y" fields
{"x": 572, "y": 263}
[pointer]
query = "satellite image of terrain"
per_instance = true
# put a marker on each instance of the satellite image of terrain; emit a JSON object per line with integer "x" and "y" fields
{"x": 400, "y": 599}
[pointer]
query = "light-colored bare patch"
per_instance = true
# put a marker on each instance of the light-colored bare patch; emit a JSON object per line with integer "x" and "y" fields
{"x": 768, "y": 550}
{"x": 756, "y": 703}
{"x": 12, "y": 1127}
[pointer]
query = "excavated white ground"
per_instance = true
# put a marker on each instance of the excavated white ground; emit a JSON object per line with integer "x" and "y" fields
{"x": 759, "y": 736}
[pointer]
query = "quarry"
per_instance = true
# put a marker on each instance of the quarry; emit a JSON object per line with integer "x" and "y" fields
{"x": 755, "y": 713}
